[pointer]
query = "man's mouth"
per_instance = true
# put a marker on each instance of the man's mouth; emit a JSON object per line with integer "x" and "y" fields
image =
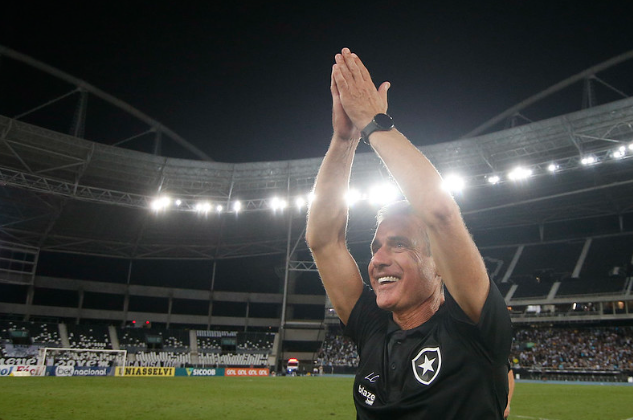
{"x": 388, "y": 279}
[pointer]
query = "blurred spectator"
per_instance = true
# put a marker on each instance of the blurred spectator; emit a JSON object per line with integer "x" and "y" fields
{"x": 595, "y": 348}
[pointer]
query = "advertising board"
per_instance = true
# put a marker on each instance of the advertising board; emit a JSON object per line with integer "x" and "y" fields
{"x": 145, "y": 371}
{"x": 246, "y": 372}
{"x": 21, "y": 370}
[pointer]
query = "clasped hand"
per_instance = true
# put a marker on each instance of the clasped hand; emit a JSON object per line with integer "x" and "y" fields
{"x": 355, "y": 99}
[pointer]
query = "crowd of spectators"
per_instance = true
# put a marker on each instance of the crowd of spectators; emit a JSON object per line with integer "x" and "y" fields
{"x": 556, "y": 348}
{"x": 573, "y": 348}
{"x": 337, "y": 350}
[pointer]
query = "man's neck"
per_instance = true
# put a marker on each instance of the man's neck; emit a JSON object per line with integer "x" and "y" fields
{"x": 416, "y": 316}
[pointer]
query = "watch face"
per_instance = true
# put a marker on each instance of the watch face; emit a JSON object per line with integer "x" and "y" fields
{"x": 384, "y": 121}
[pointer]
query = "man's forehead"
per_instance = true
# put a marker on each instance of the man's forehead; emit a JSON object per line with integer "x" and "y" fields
{"x": 396, "y": 229}
{"x": 396, "y": 225}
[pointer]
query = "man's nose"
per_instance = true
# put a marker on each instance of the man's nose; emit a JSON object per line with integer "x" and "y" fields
{"x": 381, "y": 258}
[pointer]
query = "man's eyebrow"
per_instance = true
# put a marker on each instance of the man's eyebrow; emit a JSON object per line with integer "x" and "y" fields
{"x": 398, "y": 239}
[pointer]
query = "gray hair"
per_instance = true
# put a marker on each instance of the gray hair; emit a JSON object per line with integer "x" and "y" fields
{"x": 403, "y": 208}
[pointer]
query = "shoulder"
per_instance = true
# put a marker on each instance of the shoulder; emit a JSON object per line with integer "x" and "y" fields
{"x": 366, "y": 317}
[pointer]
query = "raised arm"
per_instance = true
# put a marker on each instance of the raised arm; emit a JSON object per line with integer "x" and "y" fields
{"x": 327, "y": 217}
{"x": 456, "y": 256}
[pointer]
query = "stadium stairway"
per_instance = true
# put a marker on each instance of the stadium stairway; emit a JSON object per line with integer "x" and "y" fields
{"x": 114, "y": 338}
{"x": 193, "y": 346}
{"x": 63, "y": 335}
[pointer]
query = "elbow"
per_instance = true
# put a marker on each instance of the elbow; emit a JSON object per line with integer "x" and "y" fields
{"x": 314, "y": 240}
{"x": 311, "y": 241}
{"x": 318, "y": 242}
{"x": 318, "y": 239}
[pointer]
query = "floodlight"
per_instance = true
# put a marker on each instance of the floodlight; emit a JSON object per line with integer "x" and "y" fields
{"x": 519, "y": 173}
{"x": 300, "y": 202}
{"x": 588, "y": 160}
{"x": 383, "y": 194}
{"x": 203, "y": 207}
{"x": 352, "y": 197}
{"x": 453, "y": 183}
{"x": 630, "y": 146}
{"x": 237, "y": 206}
{"x": 219, "y": 208}
{"x": 278, "y": 204}
{"x": 494, "y": 179}
{"x": 160, "y": 203}
{"x": 620, "y": 153}
{"x": 178, "y": 202}
{"x": 311, "y": 198}
{"x": 552, "y": 167}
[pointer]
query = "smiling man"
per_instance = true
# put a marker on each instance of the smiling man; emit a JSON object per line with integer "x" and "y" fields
{"x": 433, "y": 333}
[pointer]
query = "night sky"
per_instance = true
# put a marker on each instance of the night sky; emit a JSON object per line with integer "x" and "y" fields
{"x": 249, "y": 81}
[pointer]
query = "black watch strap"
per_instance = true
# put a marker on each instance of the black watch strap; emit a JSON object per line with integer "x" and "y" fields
{"x": 380, "y": 122}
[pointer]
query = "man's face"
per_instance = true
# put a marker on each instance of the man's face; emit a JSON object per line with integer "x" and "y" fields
{"x": 402, "y": 273}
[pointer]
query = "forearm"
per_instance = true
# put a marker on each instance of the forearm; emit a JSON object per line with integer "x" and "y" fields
{"x": 416, "y": 176}
{"x": 327, "y": 217}
{"x": 457, "y": 259}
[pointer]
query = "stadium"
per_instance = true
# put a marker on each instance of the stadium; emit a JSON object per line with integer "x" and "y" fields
{"x": 119, "y": 260}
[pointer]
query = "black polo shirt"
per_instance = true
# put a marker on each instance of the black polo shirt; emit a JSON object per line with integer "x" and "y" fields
{"x": 447, "y": 368}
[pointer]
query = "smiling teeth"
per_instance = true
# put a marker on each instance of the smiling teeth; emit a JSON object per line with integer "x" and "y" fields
{"x": 387, "y": 280}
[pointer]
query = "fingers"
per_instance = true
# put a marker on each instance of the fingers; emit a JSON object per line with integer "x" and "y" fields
{"x": 342, "y": 75}
{"x": 333, "y": 87}
{"x": 352, "y": 62}
{"x": 362, "y": 70}
{"x": 382, "y": 91}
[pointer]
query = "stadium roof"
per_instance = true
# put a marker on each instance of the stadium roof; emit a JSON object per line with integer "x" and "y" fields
{"x": 63, "y": 193}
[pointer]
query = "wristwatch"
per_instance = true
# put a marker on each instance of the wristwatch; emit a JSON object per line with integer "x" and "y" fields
{"x": 381, "y": 122}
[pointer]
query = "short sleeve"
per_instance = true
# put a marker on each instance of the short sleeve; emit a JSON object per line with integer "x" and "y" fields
{"x": 494, "y": 326}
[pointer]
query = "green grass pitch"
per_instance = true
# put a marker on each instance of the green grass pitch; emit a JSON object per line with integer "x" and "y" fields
{"x": 272, "y": 398}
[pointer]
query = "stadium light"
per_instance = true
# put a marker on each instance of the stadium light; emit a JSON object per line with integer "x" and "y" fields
{"x": 178, "y": 202}
{"x": 204, "y": 207}
{"x": 352, "y": 197}
{"x": 519, "y": 173}
{"x": 310, "y": 198}
{"x": 160, "y": 203}
{"x": 454, "y": 183}
{"x": 300, "y": 202}
{"x": 494, "y": 179}
{"x": 219, "y": 208}
{"x": 237, "y": 206}
{"x": 588, "y": 160}
{"x": 278, "y": 204}
{"x": 619, "y": 153}
{"x": 383, "y": 194}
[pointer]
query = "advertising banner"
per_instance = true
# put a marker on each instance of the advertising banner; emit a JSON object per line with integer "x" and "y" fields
{"x": 200, "y": 372}
{"x": 21, "y": 370}
{"x": 91, "y": 371}
{"x": 246, "y": 372}
{"x": 14, "y": 361}
{"x": 145, "y": 371}
{"x": 60, "y": 370}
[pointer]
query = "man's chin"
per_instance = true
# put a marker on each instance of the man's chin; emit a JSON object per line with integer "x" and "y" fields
{"x": 384, "y": 304}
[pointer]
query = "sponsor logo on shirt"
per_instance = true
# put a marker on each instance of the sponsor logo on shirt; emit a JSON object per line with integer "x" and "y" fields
{"x": 427, "y": 364}
{"x": 370, "y": 398}
{"x": 372, "y": 377}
